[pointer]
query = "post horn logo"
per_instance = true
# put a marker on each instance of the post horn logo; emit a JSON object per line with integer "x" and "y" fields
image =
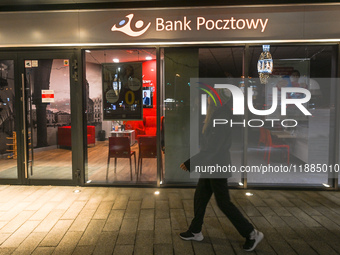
{"x": 124, "y": 26}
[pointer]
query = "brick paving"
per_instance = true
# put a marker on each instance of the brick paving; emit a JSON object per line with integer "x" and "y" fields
{"x": 102, "y": 220}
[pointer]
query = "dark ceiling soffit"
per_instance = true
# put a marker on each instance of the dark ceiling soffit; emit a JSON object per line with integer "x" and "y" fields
{"x": 145, "y": 4}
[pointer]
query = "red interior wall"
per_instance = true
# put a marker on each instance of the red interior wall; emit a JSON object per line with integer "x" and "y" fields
{"x": 149, "y": 74}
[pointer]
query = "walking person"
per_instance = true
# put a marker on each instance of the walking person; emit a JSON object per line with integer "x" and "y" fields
{"x": 216, "y": 142}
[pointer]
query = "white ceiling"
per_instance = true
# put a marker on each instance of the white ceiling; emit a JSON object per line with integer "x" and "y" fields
{"x": 124, "y": 55}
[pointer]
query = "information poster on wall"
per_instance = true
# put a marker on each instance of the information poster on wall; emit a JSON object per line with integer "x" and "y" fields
{"x": 122, "y": 91}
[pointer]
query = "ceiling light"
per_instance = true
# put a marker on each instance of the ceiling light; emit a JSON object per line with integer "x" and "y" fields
{"x": 157, "y": 192}
{"x": 76, "y": 191}
{"x": 249, "y": 194}
{"x": 240, "y": 183}
{"x": 116, "y": 60}
{"x": 326, "y": 185}
{"x": 87, "y": 51}
{"x": 148, "y": 58}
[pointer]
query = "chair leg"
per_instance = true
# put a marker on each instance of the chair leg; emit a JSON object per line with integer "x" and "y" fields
{"x": 141, "y": 166}
{"x": 135, "y": 163}
{"x": 136, "y": 171}
{"x": 130, "y": 170}
{"x": 115, "y": 164}
{"x": 288, "y": 155}
{"x": 108, "y": 166}
{"x": 269, "y": 151}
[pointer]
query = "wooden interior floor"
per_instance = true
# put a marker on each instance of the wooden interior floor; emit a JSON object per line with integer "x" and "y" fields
{"x": 97, "y": 166}
{"x": 56, "y": 163}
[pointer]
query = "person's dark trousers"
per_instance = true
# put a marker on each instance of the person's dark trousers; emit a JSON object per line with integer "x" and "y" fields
{"x": 205, "y": 188}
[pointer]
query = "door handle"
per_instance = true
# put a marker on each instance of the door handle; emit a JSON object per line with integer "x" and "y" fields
{"x": 24, "y": 131}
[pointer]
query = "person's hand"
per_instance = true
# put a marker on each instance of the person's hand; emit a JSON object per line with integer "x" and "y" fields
{"x": 183, "y": 167}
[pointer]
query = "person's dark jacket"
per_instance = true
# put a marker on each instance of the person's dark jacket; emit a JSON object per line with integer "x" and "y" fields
{"x": 215, "y": 143}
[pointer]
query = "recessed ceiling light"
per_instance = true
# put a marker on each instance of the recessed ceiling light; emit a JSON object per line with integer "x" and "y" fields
{"x": 116, "y": 60}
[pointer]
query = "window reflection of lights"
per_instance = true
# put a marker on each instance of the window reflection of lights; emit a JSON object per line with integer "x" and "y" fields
{"x": 87, "y": 51}
{"x": 148, "y": 58}
{"x": 248, "y": 194}
{"x": 116, "y": 60}
{"x": 326, "y": 185}
{"x": 240, "y": 183}
{"x": 157, "y": 192}
{"x": 152, "y": 70}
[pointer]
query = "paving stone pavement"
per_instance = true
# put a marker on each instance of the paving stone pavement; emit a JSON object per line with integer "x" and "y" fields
{"x": 104, "y": 220}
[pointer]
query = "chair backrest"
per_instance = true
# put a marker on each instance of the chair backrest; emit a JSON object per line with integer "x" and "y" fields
{"x": 147, "y": 146}
{"x": 150, "y": 121}
{"x": 119, "y": 147}
{"x": 263, "y": 135}
{"x": 268, "y": 137}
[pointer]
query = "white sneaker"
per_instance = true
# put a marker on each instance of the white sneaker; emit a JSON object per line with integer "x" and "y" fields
{"x": 253, "y": 240}
{"x": 189, "y": 236}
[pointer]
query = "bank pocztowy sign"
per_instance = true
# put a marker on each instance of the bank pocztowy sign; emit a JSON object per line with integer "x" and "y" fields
{"x": 135, "y": 28}
{"x": 169, "y": 25}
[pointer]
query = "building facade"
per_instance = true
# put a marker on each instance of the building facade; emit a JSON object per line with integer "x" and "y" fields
{"x": 133, "y": 73}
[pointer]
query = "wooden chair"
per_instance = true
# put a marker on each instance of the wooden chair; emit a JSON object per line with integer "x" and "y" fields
{"x": 270, "y": 144}
{"x": 119, "y": 147}
{"x": 147, "y": 149}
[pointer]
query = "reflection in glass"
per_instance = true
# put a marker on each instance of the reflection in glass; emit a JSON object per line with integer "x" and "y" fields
{"x": 8, "y": 134}
{"x": 49, "y": 119}
{"x": 293, "y": 139}
{"x": 180, "y": 65}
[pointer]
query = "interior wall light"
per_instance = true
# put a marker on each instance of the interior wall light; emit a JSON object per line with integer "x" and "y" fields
{"x": 265, "y": 64}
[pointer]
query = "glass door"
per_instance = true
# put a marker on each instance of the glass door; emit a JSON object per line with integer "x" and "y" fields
{"x": 48, "y": 118}
{"x": 36, "y": 118}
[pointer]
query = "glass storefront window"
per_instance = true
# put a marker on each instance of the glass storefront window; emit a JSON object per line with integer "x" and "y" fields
{"x": 309, "y": 141}
{"x": 180, "y": 65}
{"x": 121, "y": 102}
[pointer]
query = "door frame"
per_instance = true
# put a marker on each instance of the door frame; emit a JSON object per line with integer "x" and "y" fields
{"x": 19, "y": 57}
